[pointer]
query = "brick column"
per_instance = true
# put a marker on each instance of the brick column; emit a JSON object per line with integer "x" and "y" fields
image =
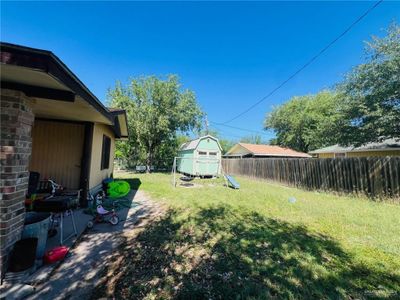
{"x": 16, "y": 147}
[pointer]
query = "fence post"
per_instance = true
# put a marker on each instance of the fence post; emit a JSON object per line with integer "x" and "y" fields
{"x": 375, "y": 177}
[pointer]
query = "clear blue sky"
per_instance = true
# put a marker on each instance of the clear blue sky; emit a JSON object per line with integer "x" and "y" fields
{"x": 230, "y": 54}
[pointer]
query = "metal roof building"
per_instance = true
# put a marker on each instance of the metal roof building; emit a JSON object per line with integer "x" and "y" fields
{"x": 244, "y": 150}
{"x": 200, "y": 157}
{"x": 388, "y": 147}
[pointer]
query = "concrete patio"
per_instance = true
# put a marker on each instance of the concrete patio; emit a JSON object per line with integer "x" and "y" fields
{"x": 75, "y": 277}
{"x": 89, "y": 250}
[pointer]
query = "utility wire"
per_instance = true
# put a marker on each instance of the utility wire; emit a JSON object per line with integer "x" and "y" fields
{"x": 238, "y": 128}
{"x": 222, "y": 131}
{"x": 307, "y": 63}
{"x": 225, "y": 133}
{"x": 228, "y": 133}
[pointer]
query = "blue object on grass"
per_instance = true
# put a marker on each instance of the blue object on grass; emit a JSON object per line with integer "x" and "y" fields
{"x": 232, "y": 182}
{"x": 292, "y": 199}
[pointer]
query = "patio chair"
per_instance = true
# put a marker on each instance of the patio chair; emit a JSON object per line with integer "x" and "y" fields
{"x": 54, "y": 189}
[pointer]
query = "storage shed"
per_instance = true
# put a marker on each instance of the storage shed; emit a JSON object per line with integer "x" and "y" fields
{"x": 200, "y": 157}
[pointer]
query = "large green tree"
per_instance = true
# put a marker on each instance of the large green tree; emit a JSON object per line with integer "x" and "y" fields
{"x": 306, "y": 123}
{"x": 371, "y": 93}
{"x": 226, "y": 144}
{"x": 157, "y": 109}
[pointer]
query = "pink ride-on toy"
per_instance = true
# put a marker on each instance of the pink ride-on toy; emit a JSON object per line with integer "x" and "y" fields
{"x": 101, "y": 214}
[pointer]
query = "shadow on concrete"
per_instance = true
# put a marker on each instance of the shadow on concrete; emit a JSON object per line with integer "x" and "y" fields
{"x": 99, "y": 240}
{"x": 133, "y": 182}
{"x": 123, "y": 207}
{"x": 81, "y": 218}
{"x": 76, "y": 276}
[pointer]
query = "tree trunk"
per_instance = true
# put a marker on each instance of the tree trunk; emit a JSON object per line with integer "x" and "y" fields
{"x": 149, "y": 161}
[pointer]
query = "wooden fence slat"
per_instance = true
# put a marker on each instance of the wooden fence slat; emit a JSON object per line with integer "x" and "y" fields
{"x": 375, "y": 177}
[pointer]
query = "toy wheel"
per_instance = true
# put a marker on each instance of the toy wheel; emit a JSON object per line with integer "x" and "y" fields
{"x": 114, "y": 220}
{"x": 90, "y": 224}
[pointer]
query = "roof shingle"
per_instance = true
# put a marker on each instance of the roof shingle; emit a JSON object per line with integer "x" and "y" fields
{"x": 272, "y": 150}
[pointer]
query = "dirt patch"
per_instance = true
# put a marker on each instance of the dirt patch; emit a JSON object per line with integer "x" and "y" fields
{"x": 190, "y": 185}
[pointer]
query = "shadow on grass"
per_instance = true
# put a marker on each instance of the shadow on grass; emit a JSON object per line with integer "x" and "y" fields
{"x": 223, "y": 253}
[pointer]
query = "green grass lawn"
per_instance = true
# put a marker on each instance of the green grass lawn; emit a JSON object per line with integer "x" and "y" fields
{"x": 218, "y": 243}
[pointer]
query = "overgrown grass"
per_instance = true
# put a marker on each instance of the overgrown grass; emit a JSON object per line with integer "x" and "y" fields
{"x": 219, "y": 243}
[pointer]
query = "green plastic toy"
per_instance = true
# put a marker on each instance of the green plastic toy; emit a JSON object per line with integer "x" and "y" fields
{"x": 118, "y": 189}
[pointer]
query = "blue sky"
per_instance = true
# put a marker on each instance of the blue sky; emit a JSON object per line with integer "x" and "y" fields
{"x": 230, "y": 54}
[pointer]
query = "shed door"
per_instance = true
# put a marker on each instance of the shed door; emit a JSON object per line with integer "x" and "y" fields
{"x": 202, "y": 162}
{"x": 57, "y": 150}
{"x": 213, "y": 166}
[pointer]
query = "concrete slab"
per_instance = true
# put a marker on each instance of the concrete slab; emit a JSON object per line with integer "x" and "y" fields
{"x": 43, "y": 272}
{"x": 81, "y": 220}
{"x": 78, "y": 274}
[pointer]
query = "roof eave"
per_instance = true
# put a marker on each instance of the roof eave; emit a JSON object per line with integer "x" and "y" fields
{"x": 47, "y": 62}
{"x": 282, "y": 155}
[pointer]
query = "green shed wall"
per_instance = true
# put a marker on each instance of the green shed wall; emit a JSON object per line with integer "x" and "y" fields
{"x": 211, "y": 145}
{"x": 185, "y": 162}
{"x": 191, "y": 163}
{"x": 208, "y": 165}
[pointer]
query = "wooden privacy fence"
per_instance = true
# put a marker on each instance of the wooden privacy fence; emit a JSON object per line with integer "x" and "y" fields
{"x": 375, "y": 177}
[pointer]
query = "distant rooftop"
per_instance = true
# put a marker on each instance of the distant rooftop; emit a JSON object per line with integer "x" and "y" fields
{"x": 264, "y": 150}
{"x": 389, "y": 144}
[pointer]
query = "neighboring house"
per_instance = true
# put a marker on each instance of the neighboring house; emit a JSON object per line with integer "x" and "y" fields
{"x": 244, "y": 150}
{"x": 50, "y": 123}
{"x": 389, "y": 147}
{"x": 200, "y": 157}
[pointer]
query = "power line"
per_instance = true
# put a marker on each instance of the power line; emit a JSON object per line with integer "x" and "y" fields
{"x": 239, "y": 128}
{"x": 307, "y": 63}
{"x": 228, "y": 133}
{"x": 225, "y": 133}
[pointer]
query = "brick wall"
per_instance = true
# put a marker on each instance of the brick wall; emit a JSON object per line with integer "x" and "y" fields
{"x": 16, "y": 125}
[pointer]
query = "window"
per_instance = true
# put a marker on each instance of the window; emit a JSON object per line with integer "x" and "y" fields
{"x": 212, "y": 153}
{"x": 105, "y": 153}
{"x": 340, "y": 154}
{"x": 202, "y": 153}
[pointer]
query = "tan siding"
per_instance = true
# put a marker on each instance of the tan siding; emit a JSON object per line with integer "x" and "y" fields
{"x": 374, "y": 153}
{"x": 238, "y": 150}
{"x": 325, "y": 155}
{"x": 363, "y": 154}
{"x": 57, "y": 151}
{"x": 97, "y": 175}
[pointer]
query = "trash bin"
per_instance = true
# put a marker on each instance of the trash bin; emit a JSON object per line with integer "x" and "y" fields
{"x": 36, "y": 226}
{"x": 21, "y": 263}
{"x": 23, "y": 255}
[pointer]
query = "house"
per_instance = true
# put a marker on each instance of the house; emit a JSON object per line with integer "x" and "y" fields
{"x": 200, "y": 157}
{"x": 244, "y": 150}
{"x": 388, "y": 147}
{"x": 50, "y": 123}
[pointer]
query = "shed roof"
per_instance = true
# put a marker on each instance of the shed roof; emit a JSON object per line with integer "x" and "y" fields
{"x": 265, "y": 150}
{"x": 191, "y": 145}
{"x": 388, "y": 144}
